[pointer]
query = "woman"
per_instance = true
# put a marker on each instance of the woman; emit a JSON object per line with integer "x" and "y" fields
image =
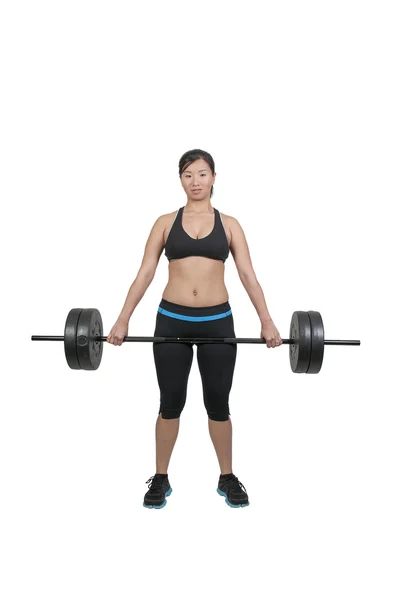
{"x": 197, "y": 240}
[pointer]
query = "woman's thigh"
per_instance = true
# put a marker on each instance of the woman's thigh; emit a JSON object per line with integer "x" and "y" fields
{"x": 216, "y": 365}
{"x": 173, "y": 361}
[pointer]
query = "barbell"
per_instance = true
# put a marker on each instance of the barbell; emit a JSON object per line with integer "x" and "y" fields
{"x": 83, "y": 340}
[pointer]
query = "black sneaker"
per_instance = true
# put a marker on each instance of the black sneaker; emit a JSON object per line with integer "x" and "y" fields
{"x": 159, "y": 489}
{"x": 230, "y": 487}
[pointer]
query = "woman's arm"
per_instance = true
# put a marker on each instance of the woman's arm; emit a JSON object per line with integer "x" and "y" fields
{"x": 240, "y": 252}
{"x": 256, "y": 295}
{"x": 153, "y": 250}
{"x": 135, "y": 293}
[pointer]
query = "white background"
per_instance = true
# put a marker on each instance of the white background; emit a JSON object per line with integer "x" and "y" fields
{"x": 297, "y": 104}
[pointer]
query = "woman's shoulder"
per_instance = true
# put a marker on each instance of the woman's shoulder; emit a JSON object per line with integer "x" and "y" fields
{"x": 225, "y": 218}
{"x": 167, "y": 221}
{"x": 168, "y": 218}
{"x": 227, "y": 221}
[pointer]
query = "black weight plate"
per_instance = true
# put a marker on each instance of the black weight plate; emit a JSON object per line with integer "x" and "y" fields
{"x": 300, "y": 351}
{"x": 70, "y": 338}
{"x": 89, "y": 350}
{"x": 318, "y": 342}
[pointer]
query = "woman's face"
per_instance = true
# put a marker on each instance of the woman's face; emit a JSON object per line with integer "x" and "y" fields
{"x": 197, "y": 176}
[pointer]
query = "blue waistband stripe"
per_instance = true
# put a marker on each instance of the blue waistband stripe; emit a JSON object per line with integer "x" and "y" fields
{"x": 195, "y": 319}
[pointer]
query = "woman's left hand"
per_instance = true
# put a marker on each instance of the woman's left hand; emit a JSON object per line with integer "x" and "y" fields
{"x": 270, "y": 333}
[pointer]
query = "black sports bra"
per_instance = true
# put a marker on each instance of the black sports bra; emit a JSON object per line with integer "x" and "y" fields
{"x": 180, "y": 245}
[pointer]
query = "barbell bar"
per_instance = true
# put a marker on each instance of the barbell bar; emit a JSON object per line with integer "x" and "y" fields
{"x": 83, "y": 340}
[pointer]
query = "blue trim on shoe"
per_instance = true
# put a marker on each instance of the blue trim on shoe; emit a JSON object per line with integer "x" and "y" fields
{"x": 193, "y": 319}
{"x": 161, "y": 505}
{"x": 228, "y": 502}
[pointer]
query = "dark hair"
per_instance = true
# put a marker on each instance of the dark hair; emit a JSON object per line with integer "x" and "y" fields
{"x": 192, "y": 155}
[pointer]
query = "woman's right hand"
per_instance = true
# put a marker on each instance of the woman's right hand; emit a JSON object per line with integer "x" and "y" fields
{"x": 118, "y": 332}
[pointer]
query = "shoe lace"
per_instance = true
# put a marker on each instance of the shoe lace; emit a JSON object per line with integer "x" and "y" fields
{"x": 155, "y": 482}
{"x": 233, "y": 482}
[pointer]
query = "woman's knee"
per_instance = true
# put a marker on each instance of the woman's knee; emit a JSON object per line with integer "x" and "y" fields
{"x": 169, "y": 413}
{"x": 218, "y": 416}
{"x": 172, "y": 405}
{"x": 217, "y": 406}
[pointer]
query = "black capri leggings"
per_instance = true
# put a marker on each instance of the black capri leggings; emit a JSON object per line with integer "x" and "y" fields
{"x": 173, "y": 360}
